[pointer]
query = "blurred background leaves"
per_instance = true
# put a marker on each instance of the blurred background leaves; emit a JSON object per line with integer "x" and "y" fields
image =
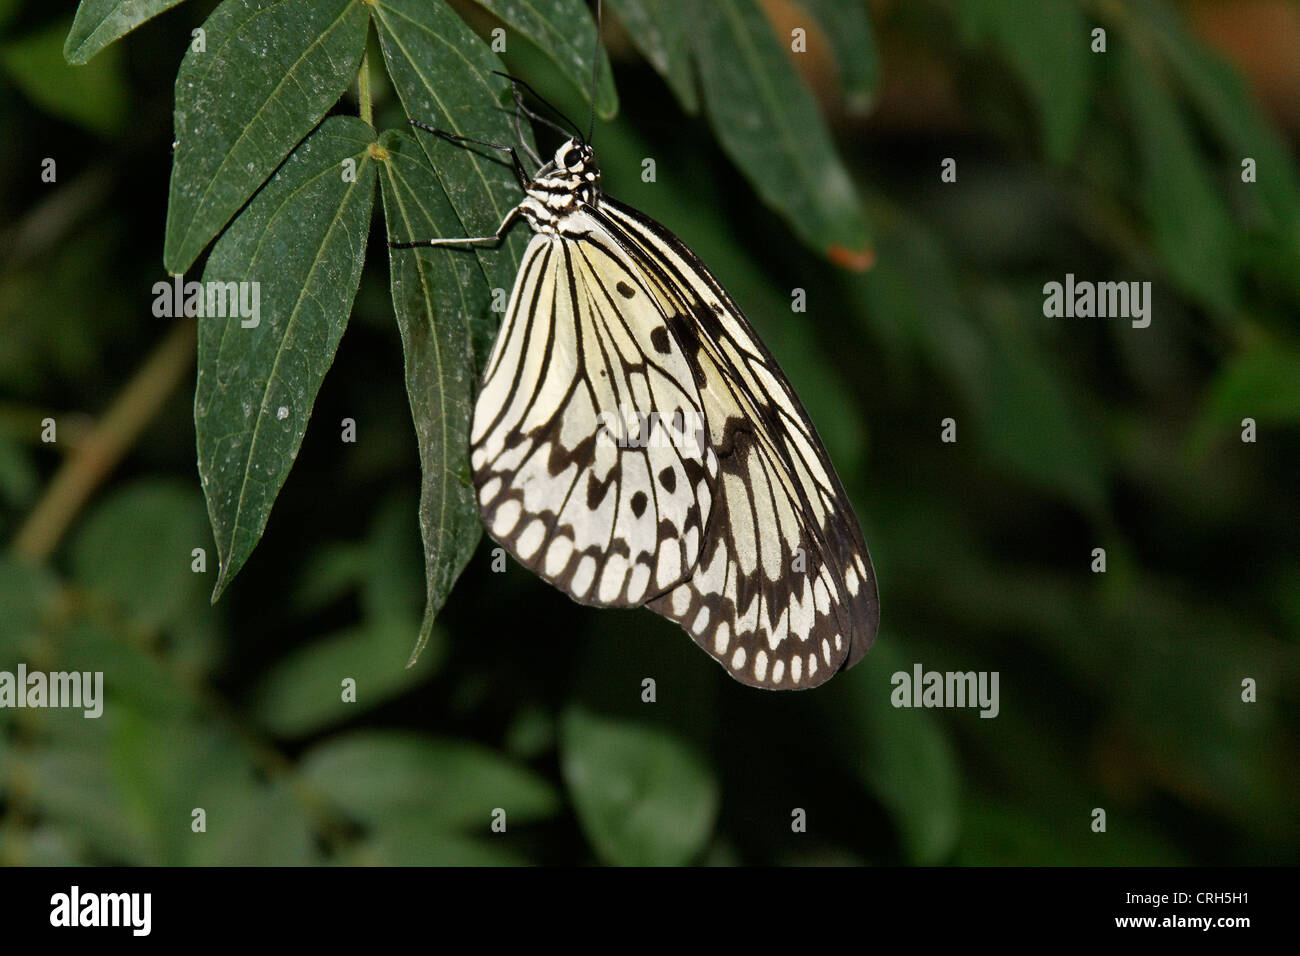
{"x": 1120, "y": 690}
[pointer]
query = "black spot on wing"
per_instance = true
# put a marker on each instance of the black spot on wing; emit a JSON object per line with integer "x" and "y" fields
{"x": 597, "y": 489}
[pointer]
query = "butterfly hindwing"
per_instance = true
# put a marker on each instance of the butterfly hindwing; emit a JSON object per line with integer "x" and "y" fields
{"x": 784, "y": 594}
{"x": 574, "y": 475}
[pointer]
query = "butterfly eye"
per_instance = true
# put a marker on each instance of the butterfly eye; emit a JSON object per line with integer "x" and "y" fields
{"x": 571, "y": 157}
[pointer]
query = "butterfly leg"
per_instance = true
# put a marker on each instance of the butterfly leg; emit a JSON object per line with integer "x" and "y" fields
{"x": 461, "y": 241}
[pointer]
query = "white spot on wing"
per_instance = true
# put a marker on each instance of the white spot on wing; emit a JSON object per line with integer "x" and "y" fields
{"x": 721, "y": 638}
{"x": 506, "y": 518}
{"x": 557, "y": 555}
{"x": 701, "y": 621}
{"x": 612, "y": 577}
{"x": 530, "y": 540}
{"x": 583, "y": 577}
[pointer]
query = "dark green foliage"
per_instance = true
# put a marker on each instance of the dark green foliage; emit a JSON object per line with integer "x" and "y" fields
{"x": 1119, "y": 690}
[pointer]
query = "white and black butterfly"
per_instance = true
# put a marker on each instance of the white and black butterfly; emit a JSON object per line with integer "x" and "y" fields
{"x": 635, "y": 444}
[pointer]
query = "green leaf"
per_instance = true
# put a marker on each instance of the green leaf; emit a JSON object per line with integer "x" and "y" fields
{"x": 374, "y": 775}
{"x": 302, "y": 694}
{"x": 642, "y": 795}
{"x": 270, "y": 70}
{"x": 1224, "y": 99}
{"x": 99, "y": 22}
{"x": 252, "y": 825}
{"x": 1262, "y": 383}
{"x": 902, "y": 755}
{"x": 163, "y": 769}
{"x": 1047, "y": 44}
{"x": 443, "y": 74}
{"x": 848, "y": 30}
{"x": 768, "y": 123}
{"x": 136, "y": 547}
{"x": 441, "y": 300}
{"x": 1026, "y": 421}
{"x": 564, "y": 32}
{"x": 70, "y": 782}
{"x": 302, "y": 239}
{"x": 658, "y": 29}
{"x": 411, "y": 839}
{"x": 26, "y": 593}
{"x": 916, "y": 308}
{"x": 94, "y": 97}
{"x": 133, "y": 675}
{"x": 394, "y": 565}
{"x": 331, "y": 571}
{"x": 1190, "y": 223}
{"x": 996, "y": 835}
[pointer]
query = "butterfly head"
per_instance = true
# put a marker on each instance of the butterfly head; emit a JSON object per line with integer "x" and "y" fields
{"x": 571, "y": 178}
{"x": 576, "y": 159}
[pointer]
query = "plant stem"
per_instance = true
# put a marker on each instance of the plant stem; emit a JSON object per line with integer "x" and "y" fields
{"x": 110, "y": 438}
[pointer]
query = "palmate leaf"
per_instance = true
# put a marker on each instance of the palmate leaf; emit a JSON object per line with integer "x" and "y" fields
{"x": 99, "y": 22}
{"x": 443, "y": 74}
{"x": 848, "y": 31}
{"x": 1190, "y": 223}
{"x": 432, "y": 188}
{"x": 659, "y": 32}
{"x": 302, "y": 239}
{"x": 1221, "y": 95}
{"x": 768, "y": 123}
{"x": 764, "y": 116}
{"x": 441, "y": 301}
{"x": 565, "y": 34}
{"x": 1046, "y": 43}
{"x": 269, "y": 71}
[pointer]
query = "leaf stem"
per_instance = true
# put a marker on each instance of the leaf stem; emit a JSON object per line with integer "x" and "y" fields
{"x": 109, "y": 439}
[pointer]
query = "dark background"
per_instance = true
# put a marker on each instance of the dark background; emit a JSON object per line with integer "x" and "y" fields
{"x": 1120, "y": 691}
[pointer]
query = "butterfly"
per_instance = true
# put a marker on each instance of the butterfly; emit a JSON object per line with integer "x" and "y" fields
{"x": 635, "y": 444}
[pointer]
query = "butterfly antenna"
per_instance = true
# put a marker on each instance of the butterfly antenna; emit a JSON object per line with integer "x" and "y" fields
{"x": 595, "y": 68}
{"x": 522, "y": 108}
{"x": 541, "y": 99}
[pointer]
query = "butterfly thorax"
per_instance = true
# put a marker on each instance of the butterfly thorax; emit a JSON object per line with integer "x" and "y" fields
{"x": 562, "y": 187}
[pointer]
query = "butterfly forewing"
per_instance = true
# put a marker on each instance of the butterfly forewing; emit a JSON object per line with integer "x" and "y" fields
{"x": 588, "y": 448}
